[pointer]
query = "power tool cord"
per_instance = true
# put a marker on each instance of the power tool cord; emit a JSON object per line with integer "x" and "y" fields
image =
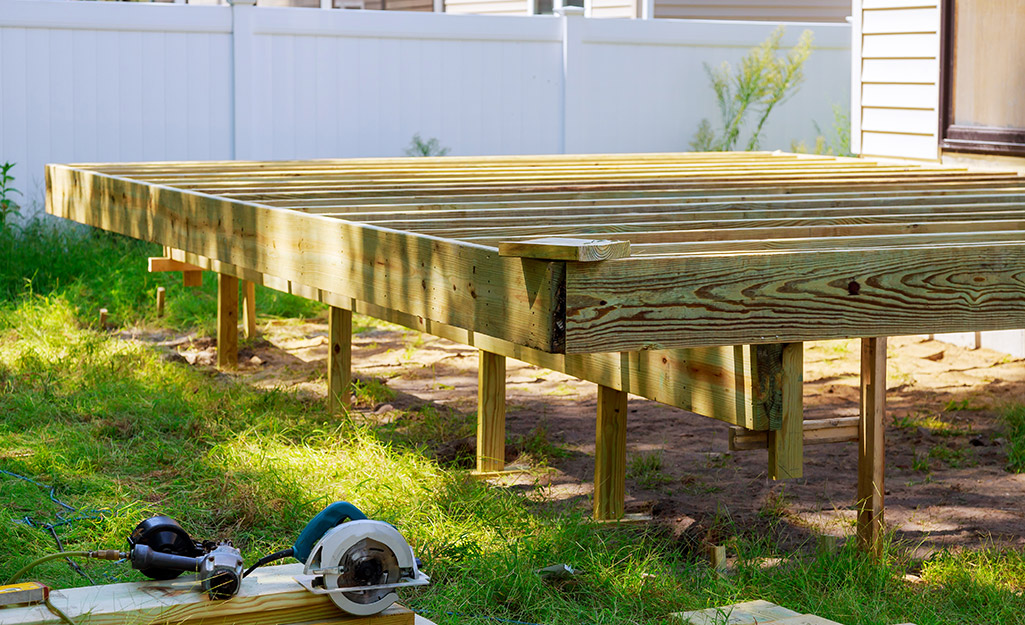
{"x": 277, "y": 555}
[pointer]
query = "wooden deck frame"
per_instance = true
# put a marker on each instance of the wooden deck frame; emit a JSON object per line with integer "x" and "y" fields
{"x": 756, "y": 252}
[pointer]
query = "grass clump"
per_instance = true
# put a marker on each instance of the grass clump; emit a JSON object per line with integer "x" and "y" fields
{"x": 1014, "y": 423}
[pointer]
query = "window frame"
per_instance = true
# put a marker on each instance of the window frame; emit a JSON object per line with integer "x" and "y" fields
{"x": 960, "y": 138}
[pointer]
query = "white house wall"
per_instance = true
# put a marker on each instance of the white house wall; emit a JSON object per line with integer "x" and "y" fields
{"x": 897, "y": 86}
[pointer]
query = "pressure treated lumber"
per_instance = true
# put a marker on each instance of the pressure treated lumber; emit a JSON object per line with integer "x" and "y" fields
{"x": 717, "y": 382}
{"x": 871, "y": 448}
{"x": 815, "y": 432}
{"x": 339, "y": 360}
{"x": 648, "y": 303}
{"x": 560, "y": 248}
{"x": 610, "y": 454}
{"x": 248, "y": 309}
{"x": 270, "y": 596}
{"x": 490, "y": 412}
{"x": 786, "y": 444}
{"x": 227, "y": 321}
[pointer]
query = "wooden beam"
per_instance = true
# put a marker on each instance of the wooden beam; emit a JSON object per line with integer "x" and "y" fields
{"x": 192, "y": 278}
{"x": 339, "y": 359}
{"x": 815, "y": 432}
{"x": 717, "y": 382}
{"x": 464, "y": 285}
{"x": 560, "y": 248}
{"x": 610, "y": 454}
{"x": 490, "y": 412}
{"x": 161, "y": 296}
{"x": 786, "y": 452}
{"x": 248, "y": 309}
{"x": 871, "y": 448}
{"x": 227, "y": 321}
{"x": 270, "y": 596}
{"x": 773, "y": 298}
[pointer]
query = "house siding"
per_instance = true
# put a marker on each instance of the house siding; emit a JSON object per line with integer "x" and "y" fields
{"x": 761, "y": 10}
{"x": 487, "y": 7}
{"x": 615, "y": 8}
{"x": 898, "y": 70}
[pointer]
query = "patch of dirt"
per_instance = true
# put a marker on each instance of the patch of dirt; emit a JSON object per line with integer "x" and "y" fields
{"x": 945, "y": 479}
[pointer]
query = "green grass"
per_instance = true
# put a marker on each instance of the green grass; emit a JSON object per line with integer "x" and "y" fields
{"x": 122, "y": 434}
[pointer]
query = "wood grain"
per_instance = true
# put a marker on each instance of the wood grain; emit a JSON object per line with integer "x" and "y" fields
{"x": 871, "y": 447}
{"x": 660, "y": 303}
{"x": 248, "y": 309}
{"x": 339, "y": 360}
{"x": 786, "y": 444}
{"x": 227, "y": 321}
{"x": 490, "y": 412}
{"x": 610, "y": 454}
{"x": 560, "y": 248}
{"x": 270, "y": 596}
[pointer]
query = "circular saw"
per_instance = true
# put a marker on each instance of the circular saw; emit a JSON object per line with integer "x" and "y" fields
{"x": 356, "y": 561}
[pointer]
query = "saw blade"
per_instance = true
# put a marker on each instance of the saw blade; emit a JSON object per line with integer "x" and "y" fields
{"x": 366, "y": 563}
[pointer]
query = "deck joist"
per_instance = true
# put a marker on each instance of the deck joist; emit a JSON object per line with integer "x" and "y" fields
{"x": 725, "y": 249}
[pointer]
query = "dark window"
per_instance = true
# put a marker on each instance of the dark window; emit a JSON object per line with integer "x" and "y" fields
{"x": 982, "y": 76}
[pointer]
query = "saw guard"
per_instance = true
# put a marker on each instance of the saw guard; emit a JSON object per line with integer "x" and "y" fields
{"x": 326, "y": 559}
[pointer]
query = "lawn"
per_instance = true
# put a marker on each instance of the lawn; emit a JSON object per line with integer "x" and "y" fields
{"x": 120, "y": 433}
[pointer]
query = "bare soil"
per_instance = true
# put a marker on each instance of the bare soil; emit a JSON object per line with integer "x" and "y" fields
{"x": 946, "y": 479}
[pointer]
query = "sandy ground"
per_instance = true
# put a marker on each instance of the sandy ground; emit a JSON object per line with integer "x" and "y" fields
{"x": 946, "y": 482}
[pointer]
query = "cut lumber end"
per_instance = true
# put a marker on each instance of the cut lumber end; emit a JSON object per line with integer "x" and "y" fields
{"x": 163, "y": 263}
{"x": 559, "y": 248}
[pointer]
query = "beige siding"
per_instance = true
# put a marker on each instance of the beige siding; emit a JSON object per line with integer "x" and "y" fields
{"x": 899, "y": 74}
{"x": 764, "y": 10}
{"x": 398, "y": 5}
{"x": 487, "y": 7}
{"x": 615, "y": 8}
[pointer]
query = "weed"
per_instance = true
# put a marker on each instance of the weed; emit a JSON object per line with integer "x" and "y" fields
{"x": 372, "y": 392}
{"x": 430, "y": 147}
{"x": 537, "y": 443}
{"x": 919, "y": 462}
{"x": 953, "y": 457}
{"x": 1014, "y": 432}
{"x": 647, "y": 470}
{"x": 763, "y": 81}
{"x": 774, "y": 505}
{"x": 8, "y": 208}
{"x": 838, "y": 143}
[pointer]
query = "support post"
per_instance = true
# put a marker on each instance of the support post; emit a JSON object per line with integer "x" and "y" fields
{"x": 227, "y": 321}
{"x": 161, "y": 296}
{"x": 871, "y": 461}
{"x": 610, "y": 454}
{"x": 339, "y": 359}
{"x": 786, "y": 445}
{"x": 249, "y": 308}
{"x": 490, "y": 412}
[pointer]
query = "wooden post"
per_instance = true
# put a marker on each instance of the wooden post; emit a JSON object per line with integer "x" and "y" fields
{"x": 339, "y": 359}
{"x": 610, "y": 454}
{"x": 249, "y": 308}
{"x": 161, "y": 295}
{"x": 227, "y": 321}
{"x": 786, "y": 445}
{"x": 490, "y": 412}
{"x": 103, "y": 318}
{"x": 871, "y": 460}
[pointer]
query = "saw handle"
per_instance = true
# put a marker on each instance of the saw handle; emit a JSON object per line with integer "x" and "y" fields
{"x": 335, "y": 514}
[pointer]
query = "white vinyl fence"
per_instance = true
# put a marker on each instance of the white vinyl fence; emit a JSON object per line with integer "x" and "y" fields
{"x": 99, "y": 81}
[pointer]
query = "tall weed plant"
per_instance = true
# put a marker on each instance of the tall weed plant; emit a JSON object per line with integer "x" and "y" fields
{"x": 8, "y": 207}
{"x": 747, "y": 95}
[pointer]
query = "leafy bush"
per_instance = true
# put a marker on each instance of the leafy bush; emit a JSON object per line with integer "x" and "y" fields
{"x": 430, "y": 147}
{"x": 762, "y": 81}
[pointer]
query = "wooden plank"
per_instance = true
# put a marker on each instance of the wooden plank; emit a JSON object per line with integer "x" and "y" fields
{"x": 339, "y": 360}
{"x": 270, "y": 596}
{"x": 561, "y": 248}
{"x": 610, "y": 454}
{"x": 786, "y": 452}
{"x": 462, "y": 285}
{"x": 816, "y": 432}
{"x": 161, "y": 296}
{"x": 490, "y": 412}
{"x": 248, "y": 309}
{"x": 192, "y": 278}
{"x": 655, "y": 303}
{"x": 871, "y": 448}
{"x": 717, "y": 382}
{"x": 227, "y": 321}
{"x": 160, "y": 263}
{"x": 747, "y": 613}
